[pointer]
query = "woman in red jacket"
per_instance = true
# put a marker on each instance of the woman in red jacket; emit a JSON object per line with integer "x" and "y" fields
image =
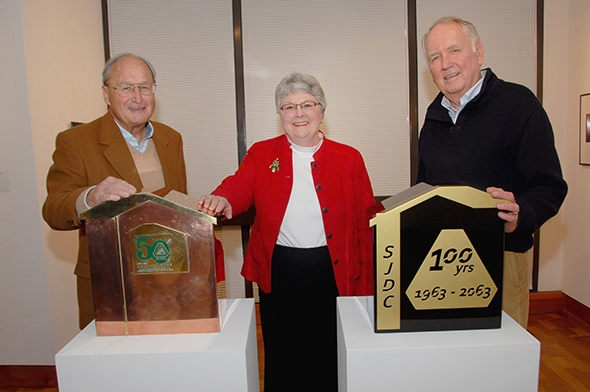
{"x": 310, "y": 241}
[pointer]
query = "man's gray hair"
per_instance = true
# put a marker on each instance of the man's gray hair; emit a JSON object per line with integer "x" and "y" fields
{"x": 468, "y": 27}
{"x": 106, "y": 72}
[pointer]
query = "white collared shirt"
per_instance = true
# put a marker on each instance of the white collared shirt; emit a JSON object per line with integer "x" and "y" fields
{"x": 465, "y": 99}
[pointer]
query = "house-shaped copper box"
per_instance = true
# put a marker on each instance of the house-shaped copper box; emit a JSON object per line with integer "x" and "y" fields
{"x": 439, "y": 257}
{"x": 152, "y": 266}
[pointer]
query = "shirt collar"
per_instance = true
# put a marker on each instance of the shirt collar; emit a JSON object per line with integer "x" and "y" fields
{"x": 465, "y": 99}
{"x": 139, "y": 146}
{"x": 312, "y": 149}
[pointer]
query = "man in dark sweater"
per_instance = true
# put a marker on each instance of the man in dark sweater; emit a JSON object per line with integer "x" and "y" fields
{"x": 495, "y": 136}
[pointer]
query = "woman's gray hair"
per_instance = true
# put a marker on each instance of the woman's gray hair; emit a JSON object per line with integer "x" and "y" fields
{"x": 299, "y": 83}
{"x": 468, "y": 28}
{"x": 106, "y": 72}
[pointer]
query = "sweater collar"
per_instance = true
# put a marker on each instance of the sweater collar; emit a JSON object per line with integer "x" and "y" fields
{"x": 436, "y": 111}
{"x": 465, "y": 99}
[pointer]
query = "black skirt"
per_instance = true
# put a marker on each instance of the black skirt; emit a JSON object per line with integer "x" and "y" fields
{"x": 298, "y": 320}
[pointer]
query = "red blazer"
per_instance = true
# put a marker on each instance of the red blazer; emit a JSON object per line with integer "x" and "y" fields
{"x": 88, "y": 153}
{"x": 344, "y": 192}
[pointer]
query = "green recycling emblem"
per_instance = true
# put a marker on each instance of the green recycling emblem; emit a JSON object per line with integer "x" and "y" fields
{"x": 158, "y": 249}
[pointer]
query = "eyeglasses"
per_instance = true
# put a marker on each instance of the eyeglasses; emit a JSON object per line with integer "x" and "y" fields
{"x": 305, "y": 106}
{"x": 127, "y": 90}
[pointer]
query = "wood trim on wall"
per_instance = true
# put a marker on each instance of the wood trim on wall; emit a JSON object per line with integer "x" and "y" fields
{"x": 105, "y": 30}
{"x": 577, "y": 308}
{"x": 558, "y": 302}
{"x": 33, "y": 376}
{"x": 547, "y": 302}
{"x": 540, "y": 54}
{"x": 241, "y": 116}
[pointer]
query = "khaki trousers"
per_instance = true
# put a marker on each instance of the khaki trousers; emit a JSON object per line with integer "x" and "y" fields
{"x": 515, "y": 297}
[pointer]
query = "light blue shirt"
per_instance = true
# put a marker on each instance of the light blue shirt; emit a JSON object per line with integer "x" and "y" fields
{"x": 139, "y": 146}
{"x": 465, "y": 99}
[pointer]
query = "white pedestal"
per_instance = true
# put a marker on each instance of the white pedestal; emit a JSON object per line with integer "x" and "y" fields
{"x": 505, "y": 359}
{"x": 224, "y": 361}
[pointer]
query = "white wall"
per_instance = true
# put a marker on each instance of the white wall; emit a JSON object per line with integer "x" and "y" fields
{"x": 25, "y": 324}
{"x": 553, "y": 233}
{"x": 64, "y": 57}
{"x": 570, "y": 54}
{"x": 52, "y": 57}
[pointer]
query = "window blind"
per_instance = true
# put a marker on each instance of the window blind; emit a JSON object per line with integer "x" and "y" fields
{"x": 507, "y": 29}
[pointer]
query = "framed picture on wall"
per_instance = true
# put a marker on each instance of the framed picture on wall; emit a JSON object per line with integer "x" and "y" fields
{"x": 585, "y": 129}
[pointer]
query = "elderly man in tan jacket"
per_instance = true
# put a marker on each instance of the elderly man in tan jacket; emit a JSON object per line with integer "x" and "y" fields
{"x": 112, "y": 157}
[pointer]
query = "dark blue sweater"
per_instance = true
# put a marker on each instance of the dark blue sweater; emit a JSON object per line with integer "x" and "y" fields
{"x": 502, "y": 138}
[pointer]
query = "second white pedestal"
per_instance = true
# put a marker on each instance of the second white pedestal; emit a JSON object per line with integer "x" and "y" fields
{"x": 505, "y": 359}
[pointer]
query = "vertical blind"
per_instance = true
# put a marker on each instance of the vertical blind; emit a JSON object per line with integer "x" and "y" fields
{"x": 190, "y": 44}
{"x": 507, "y": 29}
{"x": 357, "y": 50}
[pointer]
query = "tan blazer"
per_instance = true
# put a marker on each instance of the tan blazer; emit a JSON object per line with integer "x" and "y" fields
{"x": 87, "y": 154}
